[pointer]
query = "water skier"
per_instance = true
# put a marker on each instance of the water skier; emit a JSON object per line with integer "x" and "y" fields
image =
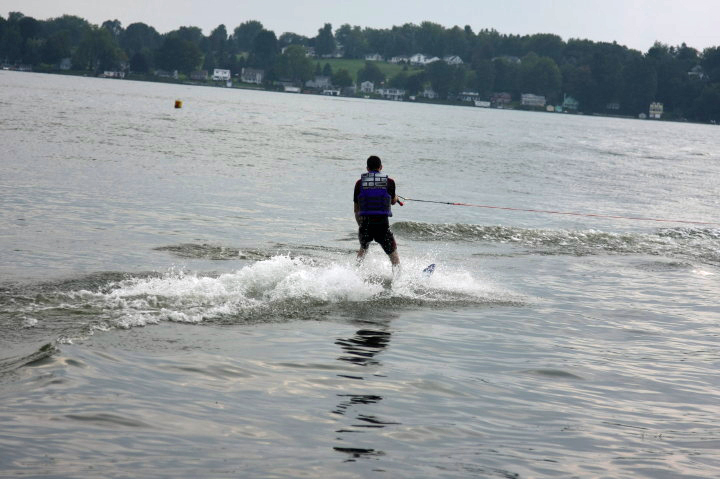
{"x": 373, "y": 196}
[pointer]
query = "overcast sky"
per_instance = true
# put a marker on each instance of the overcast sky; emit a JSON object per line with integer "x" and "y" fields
{"x": 634, "y": 23}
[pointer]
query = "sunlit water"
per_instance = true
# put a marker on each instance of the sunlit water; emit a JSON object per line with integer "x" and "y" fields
{"x": 179, "y": 296}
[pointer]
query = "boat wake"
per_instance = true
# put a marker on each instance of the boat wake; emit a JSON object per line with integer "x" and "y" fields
{"x": 694, "y": 244}
{"x": 279, "y": 288}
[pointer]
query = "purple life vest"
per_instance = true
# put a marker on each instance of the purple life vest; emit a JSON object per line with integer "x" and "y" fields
{"x": 374, "y": 199}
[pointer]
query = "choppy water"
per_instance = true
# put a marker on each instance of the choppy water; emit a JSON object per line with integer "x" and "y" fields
{"x": 179, "y": 296}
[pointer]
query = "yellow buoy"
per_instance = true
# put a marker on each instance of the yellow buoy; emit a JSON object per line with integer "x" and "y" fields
{"x": 178, "y": 103}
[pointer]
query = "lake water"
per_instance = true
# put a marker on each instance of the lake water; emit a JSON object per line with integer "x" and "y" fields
{"x": 179, "y": 296}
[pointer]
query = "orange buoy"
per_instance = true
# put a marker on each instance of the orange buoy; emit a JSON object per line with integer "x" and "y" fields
{"x": 178, "y": 103}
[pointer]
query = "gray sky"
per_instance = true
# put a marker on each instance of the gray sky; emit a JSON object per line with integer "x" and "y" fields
{"x": 635, "y": 23}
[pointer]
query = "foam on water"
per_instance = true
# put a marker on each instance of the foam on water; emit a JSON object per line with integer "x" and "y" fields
{"x": 278, "y": 288}
{"x": 699, "y": 244}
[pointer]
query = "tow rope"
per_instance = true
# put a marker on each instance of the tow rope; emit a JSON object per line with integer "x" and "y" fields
{"x": 568, "y": 213}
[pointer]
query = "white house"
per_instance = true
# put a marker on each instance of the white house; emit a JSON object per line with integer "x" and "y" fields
{"x": 65, "y": 63}
{"x": 367, "y": 87}
{"x": 113, "y": 74}
{"x": 656, "y": 110}
{"x": 470, "y": 96}
{"x": 391, "y": 93}
{"x": 399, "y": 59}
{"x": 529, "y": 99}
{"x": 252, "y": 75}
{"x": 453, "y": 60}
{"x": 418, "y": 59}
{"x": 429, "y": 93}
{"x": 319, "y": 82}
{"x": 221, "y": 75}
{"x": 374, "y": 57}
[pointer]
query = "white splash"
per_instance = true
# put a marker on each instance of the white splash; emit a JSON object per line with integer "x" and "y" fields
{"x": 276, "y": 283}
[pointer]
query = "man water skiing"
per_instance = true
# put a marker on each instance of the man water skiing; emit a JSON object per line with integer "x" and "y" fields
{"x": 374, "y": 194}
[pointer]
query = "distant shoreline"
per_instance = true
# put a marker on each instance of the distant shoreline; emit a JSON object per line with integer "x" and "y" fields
{"x": 425, "y": 101}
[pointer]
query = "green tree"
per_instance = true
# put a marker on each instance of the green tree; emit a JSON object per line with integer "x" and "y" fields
{"x": 77, "y": 28}
{"x": 11, "y": 43}
{"x": 456, "y": 42}
{"x": 441, "y": 77}
{"x": 264, "y": 50}
{"x": 707, "y": 105}
{"x": 399, "y": 80}
{"x": 56, "y": 47}
{"x": 139, "y": 36}
{"x": 507, "y": 76}
{"x": 98, "y": 51}
{"x": 415, "y": 83}
{"x": 327, "y": 70}
{"x": 190, "y": 34}
{"x": 711, "y": 63}
{"x": 342, "y": 78}
{"x": 578, "y": 82}
{"x": 295, "y": 65}
{"x": 245, "y": 33}
{"x": 115, "y": 28}
{"x": 540, "y": 75}
{"x": 217, "y": 49}
{"x": 289, "y": 38}
{"x": 179, "y": 54}
{"x": 484, "y": 77}
{"x": 640, "y": 80}
{"x": 352, "y": 40}
{"x": 141, "y": 61}
{"x": 545, "y": 45}
{"x": 371, "y": 72}
{"x": 325, "y": 41}
{"x": 431, "y": 39}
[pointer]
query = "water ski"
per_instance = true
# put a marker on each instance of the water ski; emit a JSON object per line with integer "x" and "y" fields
{"x": 429, "y": 270}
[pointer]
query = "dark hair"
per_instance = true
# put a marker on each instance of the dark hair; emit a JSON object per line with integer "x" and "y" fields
{"x": 374, "y": 163}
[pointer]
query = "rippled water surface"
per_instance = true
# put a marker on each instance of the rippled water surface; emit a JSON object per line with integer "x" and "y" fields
{"x": 179, "y": 296}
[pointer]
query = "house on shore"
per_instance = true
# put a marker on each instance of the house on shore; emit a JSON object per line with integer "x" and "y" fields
{"x": 501, "y": 100}
{"x": 374, "y": 57}
{"x": 252, "y": 75}
{"x": 367, "y": 87}
{"x": 166, "y": 74}
{"x": 453, "y": 60}
{"x": 429, "y": 93}
{"x": 470, "y": 96}
{"x": 320, "y": 82}
{"x": 656, "y": 110}
{"x": 570, "y": 103}
{"x": 113, "y": 74}
{"x": 530, "y": 99}
{"x": 396, "y": 94}
{"x": 220, "y": 74}
{"x": 420, "y": 60}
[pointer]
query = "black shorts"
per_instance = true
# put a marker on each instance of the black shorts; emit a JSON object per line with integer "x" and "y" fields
{"x": 376, "y": 228}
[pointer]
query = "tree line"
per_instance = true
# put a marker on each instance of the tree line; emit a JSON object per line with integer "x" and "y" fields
{"x": 602, "y": 77}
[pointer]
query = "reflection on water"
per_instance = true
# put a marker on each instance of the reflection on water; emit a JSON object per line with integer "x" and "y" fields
{"x": 361, "y": 350}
